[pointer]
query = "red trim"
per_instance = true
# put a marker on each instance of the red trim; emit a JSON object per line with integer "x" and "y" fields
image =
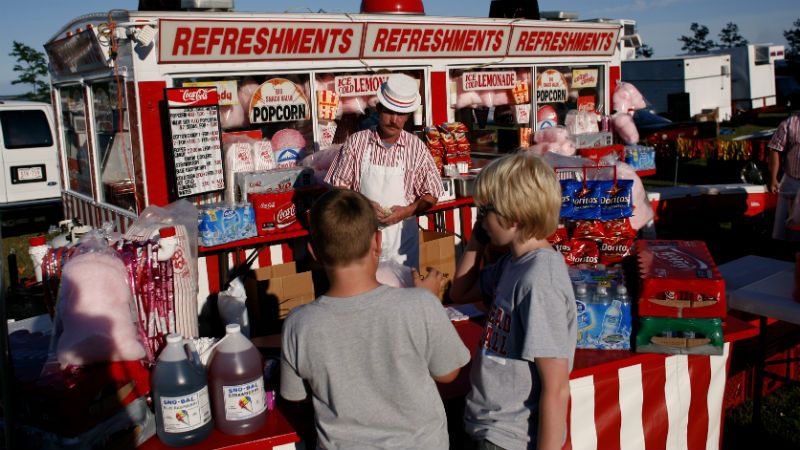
{"x": 466, "y": 223}
{"x": 439, "y": 97}
{"x": 151, "y": 99}
{"x": 700, "y": 374}
{"x": 607, "y": 413}
{"x": 654, "y": 404}
{"x": 614, "y": 76}
{"x": 287, "y": 252}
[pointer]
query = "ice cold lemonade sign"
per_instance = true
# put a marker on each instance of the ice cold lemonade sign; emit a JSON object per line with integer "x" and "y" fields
{"x": 483, "y": 81}
{"x": 279, "y": 100}
{"x": 196, "y": 147}
{"x": 357, "y": 85}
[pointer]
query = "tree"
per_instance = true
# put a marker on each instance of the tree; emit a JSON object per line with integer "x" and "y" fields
{"x": 729, "y": 37}
{"x": 699, "y": 42}
{"x": 645, "y": 51}
{"x": 793, "y": 38}
{"x": 31, "y": 66}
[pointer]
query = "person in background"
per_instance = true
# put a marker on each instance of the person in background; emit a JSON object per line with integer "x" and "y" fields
{"x": 786, "y": 140}
{"x": 520, "y": 375}
{"x": 369, "y": 353}
{"x": 393, "y": 168}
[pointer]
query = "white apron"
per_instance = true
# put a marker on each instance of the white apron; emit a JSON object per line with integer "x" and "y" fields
{"x": 385, "y": 185}
{"x": 786, "y": 193}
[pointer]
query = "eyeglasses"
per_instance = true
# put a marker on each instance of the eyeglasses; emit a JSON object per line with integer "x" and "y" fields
{"x": 483, "y": 210}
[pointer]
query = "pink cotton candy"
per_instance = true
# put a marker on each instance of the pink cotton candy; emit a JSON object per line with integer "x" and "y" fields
{"x": 552, "y": 134}
{"x": 625, "y": 128}
{"x": 232, "y": 117}
{"x": 353, "y": 105}
{"x": 246, "y": 91}
{"x": 95, "y": 311}
{"x": 627, "y": 97}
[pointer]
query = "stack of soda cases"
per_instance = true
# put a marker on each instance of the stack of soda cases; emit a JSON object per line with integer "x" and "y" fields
{"x": 603, "y": 307}
{"x": 682, "y": 299}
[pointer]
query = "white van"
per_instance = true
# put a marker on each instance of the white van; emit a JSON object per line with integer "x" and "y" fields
{"x": 28, "y": 154}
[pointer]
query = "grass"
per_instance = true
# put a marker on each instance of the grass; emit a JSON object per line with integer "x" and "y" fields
{"x": 781, "y": 418}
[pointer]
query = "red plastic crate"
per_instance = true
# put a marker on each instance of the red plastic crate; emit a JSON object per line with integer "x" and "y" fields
{"x": 679, "y": 279}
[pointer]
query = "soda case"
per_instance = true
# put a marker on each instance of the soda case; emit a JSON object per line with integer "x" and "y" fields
{"x": 680, "y": 336}
{"x": 220, "y": 223}
{"x": 282, "y": 179}
{"x": 679, "y": 279}
{"x": 278, "y": 211}
{"x": 603, "y": 308}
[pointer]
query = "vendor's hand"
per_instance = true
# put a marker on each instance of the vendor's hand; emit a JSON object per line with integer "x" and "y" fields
{"x": 399, "y": 213}
{"x": 434, "y": 281}
{"x": 379, "y": 211}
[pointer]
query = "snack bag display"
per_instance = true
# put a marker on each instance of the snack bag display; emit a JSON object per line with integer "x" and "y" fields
{"x": 327, "y": 105}
{"x": 616, "y": 199}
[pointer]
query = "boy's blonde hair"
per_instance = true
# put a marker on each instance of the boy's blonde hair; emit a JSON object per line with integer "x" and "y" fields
{"x": 343, "y": 225}
{"x": 522, "y": 189}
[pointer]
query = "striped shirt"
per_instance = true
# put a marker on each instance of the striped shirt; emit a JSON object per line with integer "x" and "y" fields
{"x": 787, "y": 139}
{"x": 421, "y": 176}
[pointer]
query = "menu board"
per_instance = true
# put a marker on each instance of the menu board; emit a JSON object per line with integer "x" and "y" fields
{"x": 196, "y": 146}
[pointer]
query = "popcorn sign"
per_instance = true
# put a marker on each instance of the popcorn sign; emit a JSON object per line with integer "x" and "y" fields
{"x": 279, "y": 100}
{"x": 551, "y": 87}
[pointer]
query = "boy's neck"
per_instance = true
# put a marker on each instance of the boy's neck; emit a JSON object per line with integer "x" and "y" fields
{"x": 520, "y": 247}
{"x": 355, "y": 279}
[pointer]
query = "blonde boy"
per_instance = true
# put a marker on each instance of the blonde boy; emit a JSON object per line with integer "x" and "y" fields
{"x": 520, "y": 376}
{"x": 369, "y": 353}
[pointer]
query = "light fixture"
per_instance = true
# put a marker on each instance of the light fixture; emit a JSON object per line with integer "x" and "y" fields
{"x": 145, "y": 35}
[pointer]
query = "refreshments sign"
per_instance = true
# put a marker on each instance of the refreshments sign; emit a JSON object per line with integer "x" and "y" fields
{"x": 551, "y": 87}
{"x": 356, "y": 85}
{"x": 279, "y": 100}
{"x": 196, "y": 147}
{"x": 185, "y": 41}
{"x": 480, "y": 81}
{"x": 194, "y": 41}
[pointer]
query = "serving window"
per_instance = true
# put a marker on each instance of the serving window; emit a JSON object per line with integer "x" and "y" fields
{"x": 559, "y": 89}
{"x": 346, "y": 104}
{"x": 76, "y": 139}
{"x": 495, "y": 106}
{"x": 113, "y": 145}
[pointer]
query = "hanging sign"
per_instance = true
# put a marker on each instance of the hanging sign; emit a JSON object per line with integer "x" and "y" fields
{"x": 279, "y": 100}
{"x": 196, "y": 147}
{"x": 357, "y": 85}
{"x": 488, "y": 81}
{"x": 227, "y": 90}
{"x": 584, "y": 78}
{"x": 551, "y": 87}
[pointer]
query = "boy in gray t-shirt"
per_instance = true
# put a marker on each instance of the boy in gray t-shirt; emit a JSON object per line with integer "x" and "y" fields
{"x": 520, "y": 376}
{"x": 369, "y": 353}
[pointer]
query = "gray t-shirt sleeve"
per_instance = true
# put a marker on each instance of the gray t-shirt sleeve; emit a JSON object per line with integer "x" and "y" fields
{"x": 292, "y": 387}
{"x": 447, "y": 351}
{"x": 545, "y": 316}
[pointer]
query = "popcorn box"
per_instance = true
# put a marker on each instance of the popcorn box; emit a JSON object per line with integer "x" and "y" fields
{"x": 327, "y": 131}
{"x": 521, "y": 92}
{"x": 327, "y": 105}
{"x": 522, "y": 114}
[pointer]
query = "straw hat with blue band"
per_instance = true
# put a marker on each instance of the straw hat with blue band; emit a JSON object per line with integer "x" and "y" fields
{"x": 400, "y": 93}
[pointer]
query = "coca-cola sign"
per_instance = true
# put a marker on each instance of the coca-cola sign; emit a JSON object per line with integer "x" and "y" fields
{"x": 186, "y": 97}
{"x": 286, "y": 215}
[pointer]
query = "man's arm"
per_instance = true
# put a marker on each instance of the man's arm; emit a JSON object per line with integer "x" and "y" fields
{"x": 553, "y": 402}
{"x": 774, "y": 164}
{"x": 400, "y": 213}
{"x": 449, "y": 378}
{"x": 466, "y": 286}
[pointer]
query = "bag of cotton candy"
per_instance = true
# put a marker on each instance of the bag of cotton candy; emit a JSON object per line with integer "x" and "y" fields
{"x": 96, "y": 312}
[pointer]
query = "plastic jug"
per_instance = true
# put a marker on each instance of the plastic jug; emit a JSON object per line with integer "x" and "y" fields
{"x": 235, "y": 377}
{"x": 180, "y": 395}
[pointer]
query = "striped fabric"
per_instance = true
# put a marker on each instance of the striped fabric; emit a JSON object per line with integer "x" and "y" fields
{"x": 787, "y": 139}
{"x": 666, "y": 403}
{"x": 421, "y": 176}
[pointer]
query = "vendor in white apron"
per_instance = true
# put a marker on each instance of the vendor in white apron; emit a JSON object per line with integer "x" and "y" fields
{"x": 786, "y": 140}
{"x": 393, "y": 168}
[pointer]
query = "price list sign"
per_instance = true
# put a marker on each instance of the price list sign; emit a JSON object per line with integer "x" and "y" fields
{"x": 196, "y": 145}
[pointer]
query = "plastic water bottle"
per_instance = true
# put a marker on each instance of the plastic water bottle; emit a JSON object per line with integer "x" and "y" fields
{"x": 581, "y": 300}
{"x": 180, "y": 395}
{"x": 612, "y": 319}
{"x": 622, "y": 295}
{"x": 236, "y": 381}
{"x": 601, "y": 296}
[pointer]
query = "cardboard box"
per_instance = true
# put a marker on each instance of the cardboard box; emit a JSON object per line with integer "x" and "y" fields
{"x": 272, "y": 180}
{"x": 438, "y": 250}
{"x": 593, "y": 140}
{"x": 272, "y": 292}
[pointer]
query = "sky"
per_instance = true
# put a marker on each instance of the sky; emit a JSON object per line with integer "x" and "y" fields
{"x": 660, "y": 22}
